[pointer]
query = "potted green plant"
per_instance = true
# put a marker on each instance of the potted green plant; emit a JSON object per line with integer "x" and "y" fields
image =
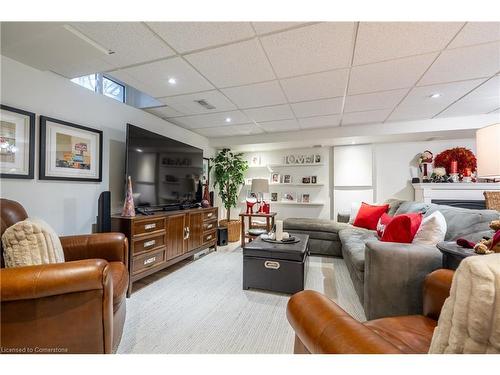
{"x": 229, "y": 175}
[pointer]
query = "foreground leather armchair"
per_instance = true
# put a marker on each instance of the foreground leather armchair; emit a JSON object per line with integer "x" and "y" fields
{"x": 322, "y": 327}
{"x": 73, "y": 307}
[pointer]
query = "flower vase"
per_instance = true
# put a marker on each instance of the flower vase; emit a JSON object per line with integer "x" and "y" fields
{"x": 128, "y": 205}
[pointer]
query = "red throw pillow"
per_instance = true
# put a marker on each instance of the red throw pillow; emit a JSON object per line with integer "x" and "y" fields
{"x": 368, "y": 215}
{"x": 402, "y": 228}
{"x": 384, "y": 220}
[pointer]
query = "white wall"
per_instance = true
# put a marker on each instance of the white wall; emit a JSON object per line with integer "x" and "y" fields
{"x": 71, "y": 207}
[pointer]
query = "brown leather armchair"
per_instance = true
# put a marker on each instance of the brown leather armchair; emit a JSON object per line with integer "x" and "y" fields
{"x": 73, "y": 307}
{"x": 322, "y": 327}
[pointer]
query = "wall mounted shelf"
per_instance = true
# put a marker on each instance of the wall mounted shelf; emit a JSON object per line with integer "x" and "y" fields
{"x": 297, "y": 165}
{"x": 299, "y": 203}
{"x": 282, "y": 184}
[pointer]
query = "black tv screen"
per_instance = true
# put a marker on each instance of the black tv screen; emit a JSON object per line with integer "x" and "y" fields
{"x": 164, "y": 172}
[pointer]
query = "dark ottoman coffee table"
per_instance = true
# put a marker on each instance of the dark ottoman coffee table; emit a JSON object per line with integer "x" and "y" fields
{"x": 276, "y": 267}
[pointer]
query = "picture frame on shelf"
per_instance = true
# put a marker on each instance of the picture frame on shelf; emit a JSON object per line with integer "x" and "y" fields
{"x": 306, "y": 180}
{"x": 306, "y": 198}
{"x": 275, "y": 178}
{"x": 287, "y": 179}
{"x": 314, "y": 179}
{"x": 309, "y": 159}
{"x": 205, "y": 179}
{"x": 17, "y": 140}
{"x": 290, "y": 159}
{"x": 248, "y": 182}
{"x": 317, "y": 158}
{"x": 289, "y": 197}
{"x": 69, "y": 152}
{"x": 274, "y": 197}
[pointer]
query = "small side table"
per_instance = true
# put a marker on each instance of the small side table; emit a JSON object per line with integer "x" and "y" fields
{"x": 244, "y": 233}
{"x": 453, "y": 254}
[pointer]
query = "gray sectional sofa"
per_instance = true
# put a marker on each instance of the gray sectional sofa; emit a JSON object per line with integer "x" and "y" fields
{"x": 388, "y": 277}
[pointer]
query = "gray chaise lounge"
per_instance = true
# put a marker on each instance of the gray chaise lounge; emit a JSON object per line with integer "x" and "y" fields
{"x": 388, "y": 277}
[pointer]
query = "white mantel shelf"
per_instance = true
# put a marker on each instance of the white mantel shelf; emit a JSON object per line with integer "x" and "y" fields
{"x": 426, "y": 192}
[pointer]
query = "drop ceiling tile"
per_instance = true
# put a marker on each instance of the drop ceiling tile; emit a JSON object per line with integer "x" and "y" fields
{"x": 256, "y": 95}
{"x": 378, "y": 41}
{"x": 190, "y": 36}
{"x": 269, "y": 27}
{"x": 187, "y": 104}
{"x": 233, "y": 65}
{"x": 374, "y": 101}
{"x": 310, "y": 49}
{"x": 24, "y": 32}
{"x": 153, "y": 78}
{"x": 277, "y": 112}
{"x": 464, "y": 63}
{"x": 318, "y": 107}
{"x": 476, "y": 33}
{"x": 212, "y": 120}
{"x": 316, "y": 86}
{"x": 367, "y": 117}
{"x": 319, "y": 122}
{"x": 419, "y": 104}
{"x": 280, "y": 126}
{"x": 131, "y": 42}
{"x": 484, "y": 99}
{"x": 163, "y": 112}
{"x": 388, "y": 75}
{"x": 230, "y": 131}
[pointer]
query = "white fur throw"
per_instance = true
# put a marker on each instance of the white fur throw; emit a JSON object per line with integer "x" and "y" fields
{"x": 31, "y": 242}
{"x": 470, "y": 318}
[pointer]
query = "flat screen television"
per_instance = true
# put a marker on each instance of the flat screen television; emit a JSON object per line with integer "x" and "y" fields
{"x": 165, "y": 173}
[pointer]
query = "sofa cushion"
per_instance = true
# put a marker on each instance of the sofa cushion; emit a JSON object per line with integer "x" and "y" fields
{"x": 119, "y": 275}
{"x": 394, "y": 204}
{"x": 307, "y": 225}
{"x": 412, "y": 207}
{"x": 353, "y": 245}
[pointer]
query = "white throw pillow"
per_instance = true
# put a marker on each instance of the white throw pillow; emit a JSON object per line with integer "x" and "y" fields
{"x": 31, "y": 242}
{"x": 355, "y": 206}
{"x": 432, "y": 230}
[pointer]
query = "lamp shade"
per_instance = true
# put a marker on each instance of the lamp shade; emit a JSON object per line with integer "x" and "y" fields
{"x": 488, "y": 151}
{"x": 260, "y": 185}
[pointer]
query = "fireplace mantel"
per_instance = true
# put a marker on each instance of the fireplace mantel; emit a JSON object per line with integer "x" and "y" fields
{"x": 426, "y": 192}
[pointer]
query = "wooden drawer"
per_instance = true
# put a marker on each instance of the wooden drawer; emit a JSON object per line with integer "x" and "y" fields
{"x": 210, "y": 214}
{"x": 209, "y": 236}
{"x": 150, "y": 225}
{"x": 148, "y": 243}
{"x": 209, "y": 225}
{"x": 143, "y": 262}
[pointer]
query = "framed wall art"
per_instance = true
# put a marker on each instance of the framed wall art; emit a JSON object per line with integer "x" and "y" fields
{"x": 17, "y": 143}
{"x": 69, "y": 152}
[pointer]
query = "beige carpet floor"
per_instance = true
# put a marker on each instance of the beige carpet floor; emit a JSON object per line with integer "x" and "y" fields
{"x": 199, "y": 307}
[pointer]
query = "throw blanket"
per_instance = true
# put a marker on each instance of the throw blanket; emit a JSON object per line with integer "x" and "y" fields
{"x": 470, "y": 318}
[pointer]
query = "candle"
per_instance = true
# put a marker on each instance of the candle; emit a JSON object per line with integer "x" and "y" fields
{"x": 467, "y": 172}
{"x": 279, "y": 230}
{"x": 454, "y": 166}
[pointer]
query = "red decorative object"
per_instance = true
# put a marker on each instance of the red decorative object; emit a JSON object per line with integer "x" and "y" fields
{"x": 266, "y": 207}
{"x": 454, "y": 166}
{"x": 464, "y": 157}
{"x": 368, "y": 215}
{"x": 402, "y": 228}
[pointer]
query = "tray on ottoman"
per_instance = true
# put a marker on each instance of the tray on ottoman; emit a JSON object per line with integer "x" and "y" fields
{"x": 276, "y": 267}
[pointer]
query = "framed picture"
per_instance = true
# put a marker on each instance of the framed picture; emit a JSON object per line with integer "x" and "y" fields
{"x": 255, "y": 160}
{"x": 317, "y": 158}
{"x": 306, "y": 198}
{"x": 248, "y": 181}
{"x": 17, "y": 143}
{"x": 314, "y": 179}
{"x": 69, "y": 152}
{"x": 287, "y": 179}
{"x": 306, "y": 180}
{"x": 289, "y": 197}
{"x": 205, "y": 179}
{"x": 274, "y": 197}
{"x": 275, "y": 178}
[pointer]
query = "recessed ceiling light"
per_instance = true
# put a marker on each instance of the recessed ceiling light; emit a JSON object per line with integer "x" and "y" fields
{"x": 139, "y": 150}
{"x": 228, "y": 119}
{"x": 353, "y": 142}
{"x": 172, "y": 81}
{"x": 435, "y": 95}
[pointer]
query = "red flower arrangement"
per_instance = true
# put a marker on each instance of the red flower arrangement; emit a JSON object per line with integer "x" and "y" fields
{"x": 465, "y": 159}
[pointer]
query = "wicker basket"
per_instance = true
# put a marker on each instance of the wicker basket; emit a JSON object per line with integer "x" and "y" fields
{"x": 492, "y": 199}
{"x": 233, "y": 229}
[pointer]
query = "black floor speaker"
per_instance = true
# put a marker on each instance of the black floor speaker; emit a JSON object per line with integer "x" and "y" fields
{"x": 104, "y": 212}
{"x": 221, "y": 236}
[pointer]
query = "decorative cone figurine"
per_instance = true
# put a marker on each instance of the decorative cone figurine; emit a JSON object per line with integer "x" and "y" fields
{"x": 128, "y": 205}
{"x": 205, "y": 203}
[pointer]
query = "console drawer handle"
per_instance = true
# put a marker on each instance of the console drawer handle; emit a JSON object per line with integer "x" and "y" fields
{"x": 209, "y": 237}
{"x": 210, "y": 214}
{"x": 271, "y": 265}
{"x": 149, "y": 260}
{"x": 209, "y": 226}
{"x": 150, "y": 226}
{"x": 149, "y": 243}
